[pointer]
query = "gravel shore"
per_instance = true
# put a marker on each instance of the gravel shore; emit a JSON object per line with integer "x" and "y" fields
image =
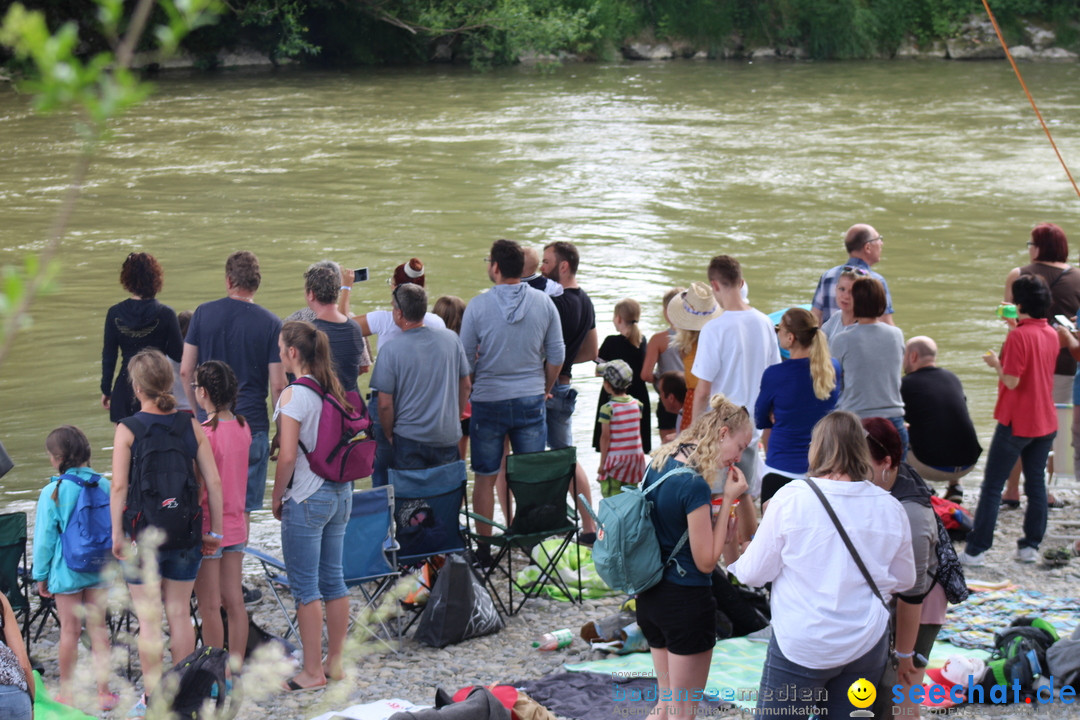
{"x": 414, "y": 672}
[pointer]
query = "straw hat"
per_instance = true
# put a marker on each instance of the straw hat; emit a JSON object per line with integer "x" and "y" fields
{"x": 691, "y": 309}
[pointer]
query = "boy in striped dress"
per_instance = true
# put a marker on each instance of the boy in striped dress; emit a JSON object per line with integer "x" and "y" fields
{"x": 622, "y": 461}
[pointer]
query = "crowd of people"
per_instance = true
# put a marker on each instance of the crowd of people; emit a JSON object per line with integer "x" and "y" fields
{"x": 846, "y": 435}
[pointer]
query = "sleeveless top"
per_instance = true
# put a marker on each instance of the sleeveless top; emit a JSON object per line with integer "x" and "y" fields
{"x": 670, "y": 359}
{"x": 1065, "y": 300}
{"x": 11, "y": 672}
{"x": 625, "y": 459}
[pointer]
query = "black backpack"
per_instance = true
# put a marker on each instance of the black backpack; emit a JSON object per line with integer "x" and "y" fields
{"x": 197, "y": 678}
{"x": 163, "y": 491}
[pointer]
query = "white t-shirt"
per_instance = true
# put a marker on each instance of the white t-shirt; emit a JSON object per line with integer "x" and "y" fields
{"x": 824, "y": 614}
{"x": 381, "y": 323}
{"x": 305, "y": 406}
{"x": 732, "y": 353}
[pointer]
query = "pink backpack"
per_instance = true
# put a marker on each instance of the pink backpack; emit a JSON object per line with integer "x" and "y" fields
{"x": 344, "y": 450}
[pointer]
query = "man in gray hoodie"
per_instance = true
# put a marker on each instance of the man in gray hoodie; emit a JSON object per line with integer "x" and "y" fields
{"x": 513, "y": 340}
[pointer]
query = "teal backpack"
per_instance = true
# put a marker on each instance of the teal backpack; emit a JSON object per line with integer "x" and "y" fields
{"x": 626, "y": 552}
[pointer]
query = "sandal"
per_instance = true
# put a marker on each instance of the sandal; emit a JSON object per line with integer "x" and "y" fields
{"x": 1010, "y": 504}
{"x": 1057, "y": 504}
{"x": 295, "y": 687}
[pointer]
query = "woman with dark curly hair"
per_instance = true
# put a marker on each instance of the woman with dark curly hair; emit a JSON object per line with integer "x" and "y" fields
{"x": 132, "y": 325}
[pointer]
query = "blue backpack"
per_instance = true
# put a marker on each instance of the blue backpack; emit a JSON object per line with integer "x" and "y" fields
{"x": 627, "y": 552}
{"x": 86, "y": 540}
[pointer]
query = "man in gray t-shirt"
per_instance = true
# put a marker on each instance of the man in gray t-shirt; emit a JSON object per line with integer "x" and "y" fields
{"x": 423, "y": 381}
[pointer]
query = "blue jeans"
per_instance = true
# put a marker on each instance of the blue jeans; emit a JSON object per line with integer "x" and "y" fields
{"x": 15, "y": 703}
{"x": 1005, "y": 448}
{"x": 258, "y": 463}
{"x": 417, "y": 455}
{"x": 898, "y": 423}
{"x": 522, "y": 419}
{"x": 384, "y": 451}
{"x": 560, "y": 408}
{"x": 313, "y": 540}
{"x": 785, "y": 685}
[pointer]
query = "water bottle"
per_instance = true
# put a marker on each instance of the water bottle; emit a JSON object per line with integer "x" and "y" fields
{"x": 554, "y": 640}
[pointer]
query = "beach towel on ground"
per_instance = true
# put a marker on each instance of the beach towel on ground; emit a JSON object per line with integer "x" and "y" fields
{"x": 972, "y": 623}
{"x": 734, "y": 676}
{"x": 45, "y": 708}
{"x": 597, "y": 696}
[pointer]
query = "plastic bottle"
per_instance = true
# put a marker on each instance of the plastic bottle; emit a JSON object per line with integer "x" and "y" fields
{"x": 554, "y": 640}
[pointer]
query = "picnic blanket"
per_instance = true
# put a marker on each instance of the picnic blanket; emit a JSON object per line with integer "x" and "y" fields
{"x": 972, "y": 623}
{"x": 735, "y": 674}
{"x": 45, "y": 708}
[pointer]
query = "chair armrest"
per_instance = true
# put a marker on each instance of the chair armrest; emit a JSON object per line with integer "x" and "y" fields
{"x": 486, "y": 521}
{"x": 265, "y": 558}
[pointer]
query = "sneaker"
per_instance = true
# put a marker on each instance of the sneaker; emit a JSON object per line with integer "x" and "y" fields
{"x": 972, "y": 560}
{"x": 1027, "y": 554}
{"x": 251, "y": 595}
{"x": 139, "y": 710}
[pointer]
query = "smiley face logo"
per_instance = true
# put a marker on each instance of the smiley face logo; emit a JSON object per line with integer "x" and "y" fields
{"x": 862, "y": 693}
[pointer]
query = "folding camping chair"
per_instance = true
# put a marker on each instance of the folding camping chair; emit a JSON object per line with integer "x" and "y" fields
{"x": 370, "y": 556}
{"x": 14, "y": 580}
{"x": 427, "y": 505}
{"x": 539, "y": 483}
{"x": 363, "y": 546}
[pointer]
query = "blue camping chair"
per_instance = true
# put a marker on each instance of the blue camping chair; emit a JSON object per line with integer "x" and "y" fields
{"x": 427, "y": 507}
{"x": 369, "y": 559}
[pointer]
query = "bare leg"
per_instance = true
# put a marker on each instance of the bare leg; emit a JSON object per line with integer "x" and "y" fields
{"x": 688, "y": 673}
{"x": 310, "y": 619}
{"x": 208, "y": 592}
{"x": 147, "y": 602}
{"x": 71, "y": 623}
{"x": 502, "y": 490}
{"x": 483, "y": 500}
{"x": 337, "y": 627}
{"x": 94, "y": 601}
{"x": 232, "y": 598}
{"x": 663, "y": 681}
{"x": 177, "y": 597}
{"x": 587, "y": 524}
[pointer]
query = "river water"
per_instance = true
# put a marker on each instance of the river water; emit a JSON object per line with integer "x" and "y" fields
{"x": 650, "y": 168}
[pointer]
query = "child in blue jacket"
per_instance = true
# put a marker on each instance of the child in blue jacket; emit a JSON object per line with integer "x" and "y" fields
{"x": 76, "y": 593}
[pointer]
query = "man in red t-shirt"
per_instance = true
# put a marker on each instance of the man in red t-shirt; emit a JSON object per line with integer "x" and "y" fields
{"x": 1027, "y": 422}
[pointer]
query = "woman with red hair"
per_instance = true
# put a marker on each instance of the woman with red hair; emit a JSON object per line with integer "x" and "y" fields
{"x": 1048, "y": 250}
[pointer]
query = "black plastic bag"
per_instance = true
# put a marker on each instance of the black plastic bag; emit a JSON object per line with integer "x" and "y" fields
{"x": 459, "y": 607}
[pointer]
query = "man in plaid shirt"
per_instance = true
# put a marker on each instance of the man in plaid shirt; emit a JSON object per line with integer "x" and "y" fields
{"x": 864, "y": 245}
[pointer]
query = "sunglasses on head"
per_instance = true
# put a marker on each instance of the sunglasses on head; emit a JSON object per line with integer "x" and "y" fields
{"x": 855, "y": 269}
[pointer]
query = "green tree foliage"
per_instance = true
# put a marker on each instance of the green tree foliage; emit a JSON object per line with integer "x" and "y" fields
{"x": 347, "y": 32}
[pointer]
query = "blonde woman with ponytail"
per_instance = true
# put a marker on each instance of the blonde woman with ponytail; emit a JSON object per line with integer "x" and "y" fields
{"x": 678, "y": 615}
{"x": 151, "y": 376}
{"x": 794, "y": 395}
{"x": 629, "y": 347}
{"x": 313, "y": 511}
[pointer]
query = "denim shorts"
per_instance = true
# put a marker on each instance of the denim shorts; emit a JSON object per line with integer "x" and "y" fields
{"x": 313, "y": 540}
{"x": 179, "y": 565}
{"x": 15, "y": 703}
{"x": 238, "y": 547}
{"x": 258, "y": 463}
{"x": 560, "y": 409}
{"x": 522, "y": 419}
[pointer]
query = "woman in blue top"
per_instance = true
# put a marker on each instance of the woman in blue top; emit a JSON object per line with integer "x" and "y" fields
{"x": 678, "y": 615}
{"x": 794, "y": 395}
{"x": 69, "y": 453}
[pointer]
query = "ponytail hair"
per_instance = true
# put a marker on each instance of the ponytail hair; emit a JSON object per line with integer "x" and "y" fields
{"x": 629, "y": 311}
{"x": 313, "y": 347}
{"x": 153, "y": 373}
{"x": 804, "y": 326}
{"x": 703, "y": 436}
{"x": 70, "y": 446}
{"x": 219, "y": 382}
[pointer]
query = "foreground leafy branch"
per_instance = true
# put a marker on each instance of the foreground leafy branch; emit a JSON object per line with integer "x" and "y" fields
{"x": 97, "y": 90}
